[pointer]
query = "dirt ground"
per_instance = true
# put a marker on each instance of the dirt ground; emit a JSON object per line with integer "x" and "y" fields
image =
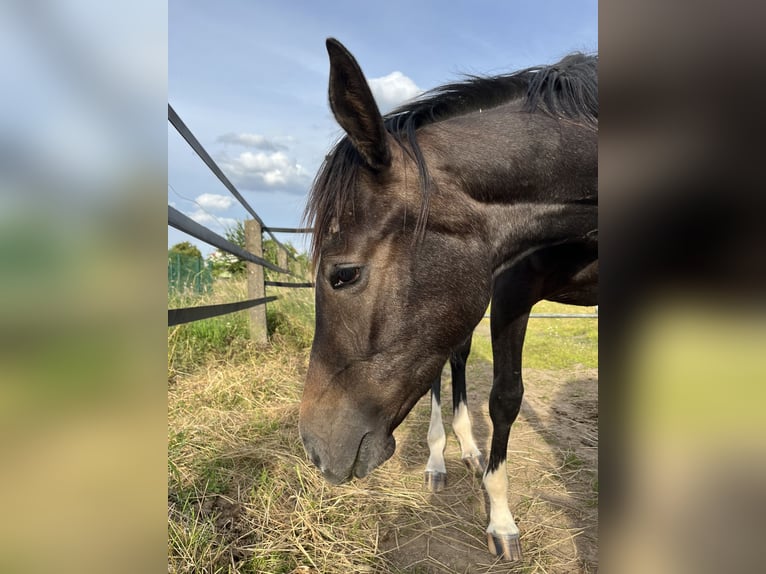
{"x": 553, "y": 480}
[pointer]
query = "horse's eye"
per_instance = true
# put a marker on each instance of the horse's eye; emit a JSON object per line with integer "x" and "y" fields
{"x": 344, "y": 276}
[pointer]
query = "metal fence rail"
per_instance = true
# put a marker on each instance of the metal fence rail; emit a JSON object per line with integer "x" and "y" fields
{"x": 187, "y": 225}
{"x": 189, "y": 314}
{"x": 558, "y": 316}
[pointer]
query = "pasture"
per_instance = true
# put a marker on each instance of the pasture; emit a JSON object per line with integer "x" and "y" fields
{"x": 242, "y": 496}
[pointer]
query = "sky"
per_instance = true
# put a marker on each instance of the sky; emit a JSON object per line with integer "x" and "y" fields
{"x": 249, "y": 79}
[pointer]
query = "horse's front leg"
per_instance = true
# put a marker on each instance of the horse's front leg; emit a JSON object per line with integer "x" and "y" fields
{"x": 508, "y": 330}
{"x": 461, "y": 420}
{"x": 436, "y": 471}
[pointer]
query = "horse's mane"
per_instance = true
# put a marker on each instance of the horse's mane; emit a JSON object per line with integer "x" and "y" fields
{"x": 567, "y": 89}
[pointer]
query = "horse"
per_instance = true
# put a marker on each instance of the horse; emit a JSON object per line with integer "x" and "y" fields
{"x": 483, "y": 188}
{"x": 436, "y": 469}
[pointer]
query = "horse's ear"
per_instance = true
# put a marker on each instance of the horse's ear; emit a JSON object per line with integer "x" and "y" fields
{"x": 354, "y": 107}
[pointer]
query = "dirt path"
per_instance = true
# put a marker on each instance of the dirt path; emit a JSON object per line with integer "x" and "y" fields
{"x": 552, "y": 462}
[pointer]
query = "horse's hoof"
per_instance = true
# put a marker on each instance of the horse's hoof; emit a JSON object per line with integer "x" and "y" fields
{"x": 474, "y": 462}
{"x": 505, "y": 545}
{"x": 435, "y": 480}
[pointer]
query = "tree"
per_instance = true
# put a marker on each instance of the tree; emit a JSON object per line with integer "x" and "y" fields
{"x": 235, "y": 235}
{"x": 185, "y": 249}
{"x": 225, "y": 262}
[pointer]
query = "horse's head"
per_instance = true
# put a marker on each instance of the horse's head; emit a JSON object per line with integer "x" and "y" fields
{"x": 395, "y": 292}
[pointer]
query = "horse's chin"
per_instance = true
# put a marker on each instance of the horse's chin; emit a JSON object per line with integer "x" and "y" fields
{"x": 373, "y": 451}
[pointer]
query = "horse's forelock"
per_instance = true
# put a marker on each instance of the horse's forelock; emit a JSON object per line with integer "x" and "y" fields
{"x": 331, "y": 192}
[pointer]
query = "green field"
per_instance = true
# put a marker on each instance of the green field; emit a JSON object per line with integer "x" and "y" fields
{"x": 551, "y": 343}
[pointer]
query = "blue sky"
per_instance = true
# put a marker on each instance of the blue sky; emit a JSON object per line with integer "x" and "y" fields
{"x": 249, "y": 78}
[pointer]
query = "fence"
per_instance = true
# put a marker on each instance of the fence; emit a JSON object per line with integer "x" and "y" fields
{"x": 559, "y": 315}
{"x": 252, "y": 254}
{"x": 188, "y": 273}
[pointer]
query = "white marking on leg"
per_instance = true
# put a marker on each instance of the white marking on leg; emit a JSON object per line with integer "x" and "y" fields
{"x": 461, "y": 424}
{"x": 500, "y": 517}
{"x": 436, "y": 439}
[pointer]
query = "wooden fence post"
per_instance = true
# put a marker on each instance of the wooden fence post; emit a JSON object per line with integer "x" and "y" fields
{"x": 281, "y": 258}
{"x": 255, "y": 287}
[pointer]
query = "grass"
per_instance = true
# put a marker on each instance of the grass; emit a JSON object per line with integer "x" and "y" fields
{"x": 242, "y": 496}
{"x": 561, "y": 343}
{"x": 551, "y": 343}
{"x": 290, "y": 321}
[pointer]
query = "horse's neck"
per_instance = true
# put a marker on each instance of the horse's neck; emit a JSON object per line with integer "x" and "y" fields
{"x": 515, "y": 232}
{"x": 518, "y": 229}
{"x": 531, "y": 179}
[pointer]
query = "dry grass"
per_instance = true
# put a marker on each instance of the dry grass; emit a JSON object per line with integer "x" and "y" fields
{"x": 242, "y": 497}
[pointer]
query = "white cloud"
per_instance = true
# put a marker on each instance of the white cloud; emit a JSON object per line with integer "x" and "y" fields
{"x": 214, "y": 202}
{"x": 256, "y": 141}
{"x": 266, "y": 171}
{"x": 391, "y": 90}
{"x": 211, "y": 221}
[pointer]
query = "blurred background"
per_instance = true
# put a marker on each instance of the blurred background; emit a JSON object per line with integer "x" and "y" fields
{"x": 682, "y": 370}
{"x": 82, "y": 286}
{"x": 83, "y": 294}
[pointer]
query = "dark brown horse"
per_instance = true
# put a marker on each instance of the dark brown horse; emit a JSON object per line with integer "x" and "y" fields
{"x": 486, "y": 188}
{"x": 436, "y": 469}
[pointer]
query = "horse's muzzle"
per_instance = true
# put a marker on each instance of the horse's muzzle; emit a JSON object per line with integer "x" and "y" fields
{"x": 373, "y": 452}
{"x": 341, "y": 464}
